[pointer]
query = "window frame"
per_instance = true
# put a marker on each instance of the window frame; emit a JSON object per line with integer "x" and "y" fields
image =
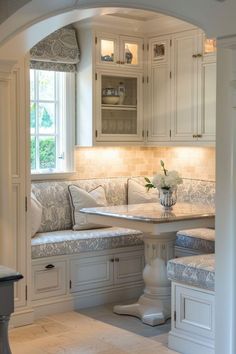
{"x": 67, "y": 125}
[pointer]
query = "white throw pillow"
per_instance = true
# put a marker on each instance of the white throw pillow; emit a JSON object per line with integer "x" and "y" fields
{"x": 79, "y": 199}
{"x": 137, "y": 193}
{"x": 36, "y": 215}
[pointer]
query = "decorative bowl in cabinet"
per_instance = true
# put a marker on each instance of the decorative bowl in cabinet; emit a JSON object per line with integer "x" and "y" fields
{"x": 110, "y": 99}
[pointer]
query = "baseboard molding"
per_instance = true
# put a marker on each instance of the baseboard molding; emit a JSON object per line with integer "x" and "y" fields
{"x": 85, "y": 299}
{"x": 22, "y": 317}
{"x": 183, "y": 344}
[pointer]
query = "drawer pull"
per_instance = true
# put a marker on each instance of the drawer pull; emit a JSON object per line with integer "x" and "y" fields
{"x": 49, "y": 266}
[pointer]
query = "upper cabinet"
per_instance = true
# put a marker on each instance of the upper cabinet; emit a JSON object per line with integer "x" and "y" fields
{"x": 119, "y": 100}
{"x": 182, "y": 88}
{"x": 185, "y": 69}
{"x": 159, "y": 90}
{"x": 160, "y": 93}
{"x": 119, "y": 51}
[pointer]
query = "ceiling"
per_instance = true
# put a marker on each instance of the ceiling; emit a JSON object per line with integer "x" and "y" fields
{"x": 135, "y": 14}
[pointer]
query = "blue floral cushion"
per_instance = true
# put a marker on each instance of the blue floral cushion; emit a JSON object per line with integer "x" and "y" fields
{"x": 198, "y": 271}
{"x": 57, "y": 243}
{"x": 201, "y": 239}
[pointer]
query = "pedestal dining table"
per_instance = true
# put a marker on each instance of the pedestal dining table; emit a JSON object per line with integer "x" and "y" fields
{"x": 159, "y": 228}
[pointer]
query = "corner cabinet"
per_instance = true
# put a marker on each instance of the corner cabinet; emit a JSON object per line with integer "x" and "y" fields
{"x": 122, "y": 121}
{"x": 182, "y": 89}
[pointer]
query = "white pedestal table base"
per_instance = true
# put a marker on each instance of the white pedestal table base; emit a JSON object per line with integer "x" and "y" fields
{"x": 154, "y": 307}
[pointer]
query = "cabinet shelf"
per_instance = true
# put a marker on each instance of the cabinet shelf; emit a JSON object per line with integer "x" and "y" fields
{"x": 119, "y": 107}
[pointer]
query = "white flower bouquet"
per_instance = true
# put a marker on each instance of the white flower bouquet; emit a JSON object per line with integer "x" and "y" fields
{"x": 166, "y": 180}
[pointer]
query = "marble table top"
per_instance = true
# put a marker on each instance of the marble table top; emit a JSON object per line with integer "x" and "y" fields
{"x": 154, "y": 212}
{"x": 8, "y": 274}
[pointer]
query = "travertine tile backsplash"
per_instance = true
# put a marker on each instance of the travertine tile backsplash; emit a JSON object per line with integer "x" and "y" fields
{"x": 191, "y": 162}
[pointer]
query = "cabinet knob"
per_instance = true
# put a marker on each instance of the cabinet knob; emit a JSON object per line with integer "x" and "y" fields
{"x": 194, "y": 55}
{"x": 194, "y": 136}
{"x": 117, "y": 259}
{"x": 112, "y": 260}
{"x": 199, "y": 55}
{"x": 118, "y": 62}
{"x": 49, "y": 266}
{"x": 199, "y": 135}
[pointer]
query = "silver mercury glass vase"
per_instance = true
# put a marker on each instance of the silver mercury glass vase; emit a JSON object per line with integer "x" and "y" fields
{"x": 168, "y": 197}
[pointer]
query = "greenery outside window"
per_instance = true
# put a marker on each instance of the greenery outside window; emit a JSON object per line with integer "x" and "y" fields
{"x": 52, "y": 109}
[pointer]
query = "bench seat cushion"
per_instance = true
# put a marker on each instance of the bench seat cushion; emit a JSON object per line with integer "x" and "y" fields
{"x": 198, "y": 271}
{"x": 57, "y": 243}
{"x": 201, "y": 239}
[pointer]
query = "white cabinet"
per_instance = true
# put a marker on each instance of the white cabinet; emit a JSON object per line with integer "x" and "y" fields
{"x": 128, "y": 267}
{"x": 49, "y": 279}
{"x": 88, "y": 273}
{"x": 120, "y": 121}
{"x": 91, "y": 273}
{"x": 207, "y": 119}
{"x": 185, "y": 69}
{"x": 169, "y": 98}
{"x": 158, "y": 100}
{"x": 119, "y": 51}
{"x": 182, "y": 89}
{"x": 19, "y": 191}
{"x": 107, "y": 64}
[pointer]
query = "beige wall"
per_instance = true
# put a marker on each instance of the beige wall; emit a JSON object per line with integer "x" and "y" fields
{"x": 191, "y": 162}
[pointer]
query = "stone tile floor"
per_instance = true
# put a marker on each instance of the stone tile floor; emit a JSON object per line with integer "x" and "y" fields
{"x": 94, "y": 330}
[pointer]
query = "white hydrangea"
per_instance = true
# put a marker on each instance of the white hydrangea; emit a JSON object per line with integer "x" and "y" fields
{"x": 170, "y": 180}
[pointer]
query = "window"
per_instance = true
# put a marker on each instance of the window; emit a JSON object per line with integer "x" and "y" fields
{"x": 52, "y": 109}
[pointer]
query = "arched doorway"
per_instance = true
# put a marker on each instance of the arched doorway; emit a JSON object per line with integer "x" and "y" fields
{"x": 207, "y": 16}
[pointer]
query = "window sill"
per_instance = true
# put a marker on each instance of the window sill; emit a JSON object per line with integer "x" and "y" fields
{"x": 53, "y": 175}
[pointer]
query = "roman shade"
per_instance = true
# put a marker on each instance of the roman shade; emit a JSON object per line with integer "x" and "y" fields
{"x": 59, "y": 51}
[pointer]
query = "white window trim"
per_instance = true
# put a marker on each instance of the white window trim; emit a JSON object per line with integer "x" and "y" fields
{"x": 53, "y": 175}
{"x": 69, "y": 110}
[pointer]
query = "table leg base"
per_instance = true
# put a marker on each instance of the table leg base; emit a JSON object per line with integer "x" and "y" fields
{"x": 152, "y": 312}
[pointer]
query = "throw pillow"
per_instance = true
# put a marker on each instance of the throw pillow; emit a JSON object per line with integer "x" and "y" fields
{"x": 79, "y": 199}
{"x": 137, "y": 193}
{"x": 36, "y": 214}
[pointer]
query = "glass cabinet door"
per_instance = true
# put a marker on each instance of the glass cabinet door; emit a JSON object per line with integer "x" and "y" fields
{"x": 131, "y": 51}
{"x": 107, "y": 49}
{"x": 119, "y": 113}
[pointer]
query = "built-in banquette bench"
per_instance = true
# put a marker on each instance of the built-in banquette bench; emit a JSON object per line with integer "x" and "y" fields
{"x": 83, "y": 267}
{"x": 192, "y": 307}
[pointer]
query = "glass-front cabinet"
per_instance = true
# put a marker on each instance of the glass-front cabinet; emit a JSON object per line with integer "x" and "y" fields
{"x": 119, "y": 107}
{"x": 209, "y": 46}
{"x": 119, "y": 51}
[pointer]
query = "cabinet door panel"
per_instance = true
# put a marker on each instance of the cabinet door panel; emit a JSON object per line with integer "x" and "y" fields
{"x": 159, "y": 106}
{"x": 207, "y": 123}
{"x": 195, "y": 311}
{"x": 107, "y": 49}
{"x": 185, "y": 86}
{"x": 119, "y": 120}
{"x": 131, "y": 52}
{"x": 48, "y": 279}
{"x": 91, "y": 273}
{"x": 128, "y": 267}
